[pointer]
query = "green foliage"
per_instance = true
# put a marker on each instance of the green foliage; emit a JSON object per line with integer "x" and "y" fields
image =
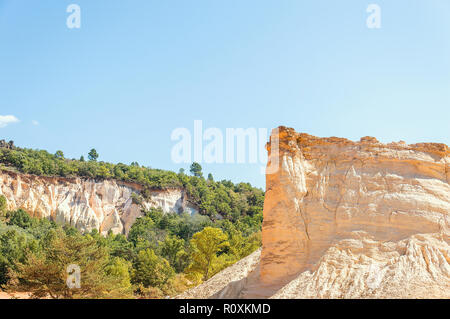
{"x": 44, "y": 273}
{"x": 216, "y": 199}
{"x": 2, "y": 207}
{"x": 59, "y": 154}
{"x": 206, "y": 246}
{"x": 93, "y": 155}
{"x": 196, "y": 169}
{"x": 13, "y": 247}
{"x": 152, "y": 270}
{"x": 119, "y": 269}
{"x": 160, "y": 247}
{"x": 173, "y": 249}
{"x": 19, "y": 218}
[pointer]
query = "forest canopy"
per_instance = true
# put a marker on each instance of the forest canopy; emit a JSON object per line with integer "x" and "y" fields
{"x": 213, "y": 198}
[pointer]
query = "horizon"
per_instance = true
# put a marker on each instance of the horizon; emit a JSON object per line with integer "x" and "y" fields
{"x": 132, "y": 74}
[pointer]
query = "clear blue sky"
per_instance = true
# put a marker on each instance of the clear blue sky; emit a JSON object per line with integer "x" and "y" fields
{"x": 136, "y": 70}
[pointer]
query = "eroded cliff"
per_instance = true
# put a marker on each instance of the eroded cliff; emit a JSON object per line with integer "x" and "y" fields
{"x": 85, "y": 203}
{"x": 346, "y": 219}
{"x": 330, "y": 189}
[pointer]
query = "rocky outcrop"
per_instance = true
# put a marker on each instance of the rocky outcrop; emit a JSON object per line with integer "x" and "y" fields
{"x": 331, "y": 189}
{"x": 346, "y": 219}
{"x": 86, "y": 204}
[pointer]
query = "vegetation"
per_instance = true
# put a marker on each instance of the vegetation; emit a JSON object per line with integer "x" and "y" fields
{"x": 93, "y": 155}
{"x": 2, "y": 207}
{"x": 206, "y": 246}
{"x": 196, "y": 169}
{"x": 217, "y": 199}
{"x": 163, "y": 253}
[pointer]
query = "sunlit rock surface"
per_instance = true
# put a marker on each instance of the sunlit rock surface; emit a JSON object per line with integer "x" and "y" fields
{"x": 347, "y": 219}
{"x": 85, "y": 204}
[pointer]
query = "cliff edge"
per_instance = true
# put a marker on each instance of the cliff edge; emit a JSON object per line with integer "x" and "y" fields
{"x": 346, "y": 219}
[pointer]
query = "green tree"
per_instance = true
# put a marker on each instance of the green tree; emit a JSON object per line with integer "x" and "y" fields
{"x": 13, "y": 249}
{"x": 20, "y": 218}
{"x": 93, "y": 155}
{"x": 210, "y": 177}
{"x": 59, "y": 154}
{"x": 145, "y": 234}
{"x": 196, "y": 169}
{"x": 119, "y": 269}
{"x": 81, "y": 158}
{"x": 151, "y": 270}
{"x": 45, "y": 273}
{"x": 206, "y": 245}
{"x": 172, "y": 248}
{"x": 3, "y": 206}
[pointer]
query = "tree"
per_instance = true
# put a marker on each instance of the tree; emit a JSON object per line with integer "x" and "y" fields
{"x": 206, "y": 245}
{"x": 81, "y": 158}
{"x": 240, "y": 245}
{"x": 210, "y": 177}
{"x": 196, "y": 169}
{"x": 13, "y": 248}
{"x": 152, "y": 270}
{"x": 45, "y": 273}
{"x": 145, "y": 234}
{"x": 3, "y": 207}
{"x": 172, "y": 248}
{"x": 93, "y": 155}
{"x": 59, "y": 154}
{"x": 119, "y": 268}
{"x": 20, "y": 218}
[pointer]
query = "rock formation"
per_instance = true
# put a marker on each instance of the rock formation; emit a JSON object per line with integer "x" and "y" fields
{"x": 85, "y": 204}
{"x": 347, "y": 219}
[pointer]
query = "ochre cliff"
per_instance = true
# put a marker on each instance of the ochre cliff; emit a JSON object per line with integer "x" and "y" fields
{"x": 347, "y": 219}
{"x": 84, "y": 203}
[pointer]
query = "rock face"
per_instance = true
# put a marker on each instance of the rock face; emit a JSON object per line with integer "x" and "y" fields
{"x": 347, "y": 219}
{"x": 85, "y": 204}
{"x": 332, "y": 189}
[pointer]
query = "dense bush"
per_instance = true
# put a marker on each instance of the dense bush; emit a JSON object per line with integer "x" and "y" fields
{"x": 163, "y": 254}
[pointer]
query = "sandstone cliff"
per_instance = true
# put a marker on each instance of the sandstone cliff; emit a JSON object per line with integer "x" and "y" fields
{"x": 347, "y": 219}
{"x": 85, "y": 204}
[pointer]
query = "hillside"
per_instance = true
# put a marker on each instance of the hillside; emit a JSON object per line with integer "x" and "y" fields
{"x": 149, "y": 230}
{"x": 217, "y": 199}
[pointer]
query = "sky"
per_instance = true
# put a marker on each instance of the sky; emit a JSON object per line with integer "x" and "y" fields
{"x": 135, "y": 71}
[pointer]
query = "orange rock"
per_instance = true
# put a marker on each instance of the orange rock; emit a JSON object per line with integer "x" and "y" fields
{"x": 346, "y": 219}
